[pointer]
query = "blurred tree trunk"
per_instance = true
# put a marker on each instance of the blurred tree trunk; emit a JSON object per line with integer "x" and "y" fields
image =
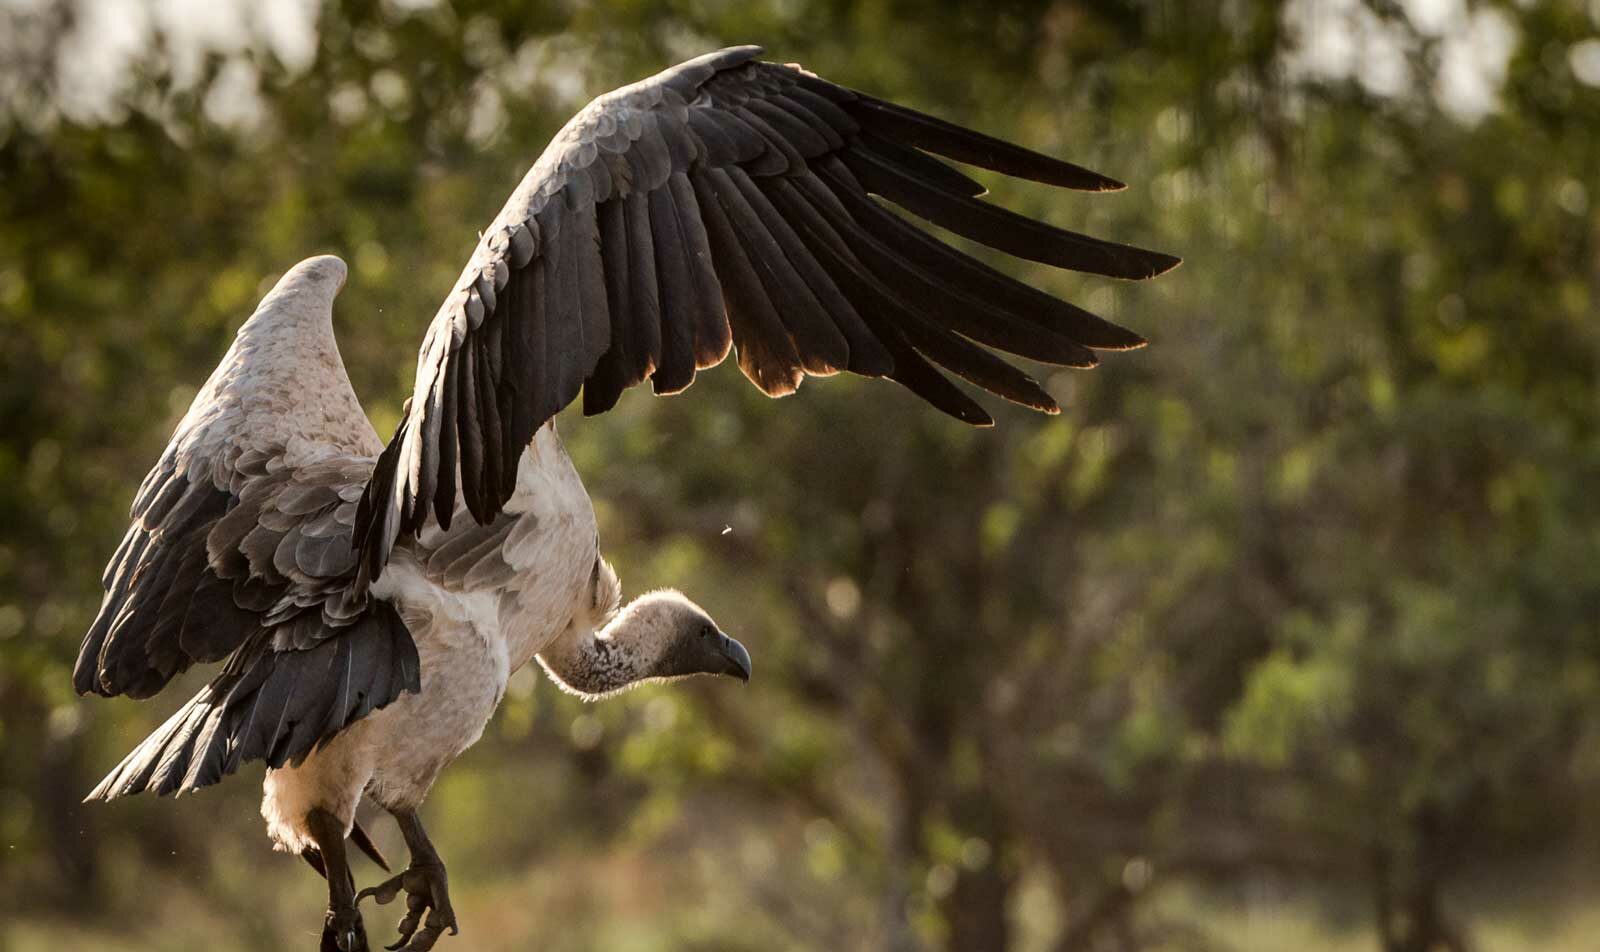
{"x": 975, "y": 909}
{"x": 975, "y": 912}
{"x": 1410, "y": 914}
{"x": 905, "y": 851}
{"x": 72, "y": 842}
{"x": 61, "y": 825}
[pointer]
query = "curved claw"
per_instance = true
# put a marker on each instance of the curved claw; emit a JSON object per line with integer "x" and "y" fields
{"x": 416, "y": 905}
{"x": 343, "y": 932}
{"x": 426, "y": 893}
{"x": 437, "y": 922}
{"x": 424, "y": 940}
{"x": 383, "y": 893}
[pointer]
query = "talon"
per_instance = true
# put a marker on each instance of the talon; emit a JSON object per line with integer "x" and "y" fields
{"x": 428, "y": 913}
{"x": 424, "y": 940}
{"x": 383, "y": 893}
{"x": 343, "y": 932}
{"x": 438, "y": 921}
{"x": 416, "y": 905}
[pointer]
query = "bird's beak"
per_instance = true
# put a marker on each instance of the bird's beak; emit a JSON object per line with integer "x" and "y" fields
{"x": 733, "y": 660}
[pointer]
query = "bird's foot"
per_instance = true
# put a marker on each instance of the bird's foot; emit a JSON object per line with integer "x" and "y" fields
{"x": 342, "y": 931}
{"x": 427, "y": 891}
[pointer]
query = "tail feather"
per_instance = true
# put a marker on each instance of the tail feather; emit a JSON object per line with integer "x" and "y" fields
{"x": 161, "y": 758}
{"x": 359, "y": 837}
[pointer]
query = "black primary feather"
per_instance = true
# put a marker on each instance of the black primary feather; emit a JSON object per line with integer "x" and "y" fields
{"x": 727, "y": 202}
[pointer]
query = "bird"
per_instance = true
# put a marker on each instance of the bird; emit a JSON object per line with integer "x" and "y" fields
{"x": 364, "y": 601}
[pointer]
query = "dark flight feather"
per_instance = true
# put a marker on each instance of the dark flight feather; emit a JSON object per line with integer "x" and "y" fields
{"x": 964, "y": 145}
{"x": 679, "y": 299}
{"x": 251, "y": 565}
{"x": 1002, "y": 229}
{"x": 818, "y": 343}
{"x": 766, "y": 353}
{"x": 275, "y": 706}
{"x": 727, "y": 202}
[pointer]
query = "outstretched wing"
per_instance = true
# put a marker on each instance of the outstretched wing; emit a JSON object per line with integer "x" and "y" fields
{"x": 729, "y": 202}
{"x": 238, "y": 556}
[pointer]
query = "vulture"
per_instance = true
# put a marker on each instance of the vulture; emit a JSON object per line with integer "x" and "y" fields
{"x": 365, "y": 602}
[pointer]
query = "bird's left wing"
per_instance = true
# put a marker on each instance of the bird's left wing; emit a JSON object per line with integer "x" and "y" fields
{"x": 729, "y": 202}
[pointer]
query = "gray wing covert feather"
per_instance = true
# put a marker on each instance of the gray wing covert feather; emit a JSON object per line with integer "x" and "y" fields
{"x": 729, "y": 202}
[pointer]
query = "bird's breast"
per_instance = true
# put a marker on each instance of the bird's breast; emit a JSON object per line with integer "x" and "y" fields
{"x": 517, "y": 581}
{"x": 551, "y": 550}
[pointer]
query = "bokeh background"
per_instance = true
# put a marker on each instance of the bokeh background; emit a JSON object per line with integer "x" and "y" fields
{"x": 1285, "y": 635}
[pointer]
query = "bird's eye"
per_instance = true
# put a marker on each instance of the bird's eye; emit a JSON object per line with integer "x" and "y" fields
{"x": 706, "y": 631}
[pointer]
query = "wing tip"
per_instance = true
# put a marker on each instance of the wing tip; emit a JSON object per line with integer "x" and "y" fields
{"x": 1165, "y": 263}
{"x": 1069, "y": 175}
{"x": 1105, "y": 183}
{"x": 1145, "y": 265}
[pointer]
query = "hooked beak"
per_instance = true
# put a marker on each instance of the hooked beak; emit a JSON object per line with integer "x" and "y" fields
{"x": 733, "y": 660}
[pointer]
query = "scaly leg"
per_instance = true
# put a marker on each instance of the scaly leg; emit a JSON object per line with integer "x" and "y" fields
{"x": 342, "y": 930}
{"x": 426, "y": 889}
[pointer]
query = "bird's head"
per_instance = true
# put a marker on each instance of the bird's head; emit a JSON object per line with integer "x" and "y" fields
{"x": 672, "y": 637}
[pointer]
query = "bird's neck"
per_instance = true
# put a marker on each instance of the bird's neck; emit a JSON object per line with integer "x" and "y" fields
{"x": 593, "y": 664}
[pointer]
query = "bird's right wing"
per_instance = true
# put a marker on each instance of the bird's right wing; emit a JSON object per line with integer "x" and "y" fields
{"x": 730, "y": 202}
{"x": 241, "y": 556}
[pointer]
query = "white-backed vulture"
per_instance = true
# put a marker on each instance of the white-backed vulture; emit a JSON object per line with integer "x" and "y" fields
{"x": 367, "y": 602}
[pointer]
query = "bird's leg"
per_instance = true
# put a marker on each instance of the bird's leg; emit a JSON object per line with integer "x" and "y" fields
{"x": 427, "y": 890}
{"x": 342, "y": 930}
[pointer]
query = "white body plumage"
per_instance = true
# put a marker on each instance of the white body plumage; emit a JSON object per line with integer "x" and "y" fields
{"x": 529, "y": 591}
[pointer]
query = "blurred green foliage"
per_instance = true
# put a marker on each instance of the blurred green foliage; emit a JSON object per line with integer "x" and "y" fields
{"x": 1286, "y": 634}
